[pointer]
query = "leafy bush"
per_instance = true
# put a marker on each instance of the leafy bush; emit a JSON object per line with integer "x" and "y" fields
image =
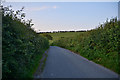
{"x": 49, "y": 37}
{"x": 22, "y": 46}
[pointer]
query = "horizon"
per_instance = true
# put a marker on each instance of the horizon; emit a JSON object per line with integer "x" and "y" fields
{"x": 67, "y": 16}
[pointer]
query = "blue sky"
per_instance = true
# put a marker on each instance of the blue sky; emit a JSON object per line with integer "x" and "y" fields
{"x": 54, "y": 16}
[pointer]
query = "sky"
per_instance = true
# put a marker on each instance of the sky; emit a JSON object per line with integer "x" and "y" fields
{"x": 58, "y": 16}
{"x": 61, "y": 0}
{"x": 119, "y": 10}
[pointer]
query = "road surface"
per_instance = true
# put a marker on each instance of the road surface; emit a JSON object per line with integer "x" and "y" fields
{"x": 62, "y": 63}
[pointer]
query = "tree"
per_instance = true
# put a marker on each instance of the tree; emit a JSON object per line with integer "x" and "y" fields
{"x": 48, "y": 36}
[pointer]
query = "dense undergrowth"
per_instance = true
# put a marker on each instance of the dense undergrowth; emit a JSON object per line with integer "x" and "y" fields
{"x": 22, "y": 47}
{"x": 100, "y": 45}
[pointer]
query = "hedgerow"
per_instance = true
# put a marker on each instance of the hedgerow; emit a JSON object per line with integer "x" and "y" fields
{"x": 22, "y": 47}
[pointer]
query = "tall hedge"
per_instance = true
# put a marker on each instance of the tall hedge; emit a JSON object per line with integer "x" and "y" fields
{"x": 22, "y": 47}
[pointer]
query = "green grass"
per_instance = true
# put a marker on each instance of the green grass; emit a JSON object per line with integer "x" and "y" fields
{"x": 57, "y": 36}
{"x": 34, "y": 67}
{"x": 44, "y": 61}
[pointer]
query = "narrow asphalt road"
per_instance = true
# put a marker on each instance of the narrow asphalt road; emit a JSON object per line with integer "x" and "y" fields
{"x": 62, "y": 63}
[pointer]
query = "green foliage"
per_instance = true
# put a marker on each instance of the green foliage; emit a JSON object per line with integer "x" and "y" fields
{"x": 22, "y": 46}
{"x": 49, "y": 37}
{"x": 100, "y": 45}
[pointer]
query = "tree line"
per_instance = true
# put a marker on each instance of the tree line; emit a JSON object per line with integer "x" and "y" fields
{"x": 63, "y": 31}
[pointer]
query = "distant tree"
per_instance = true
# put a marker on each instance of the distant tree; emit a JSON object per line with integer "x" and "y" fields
{"x": 48, "y": 36}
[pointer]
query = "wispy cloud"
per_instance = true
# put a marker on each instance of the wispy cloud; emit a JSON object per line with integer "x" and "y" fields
{"x": 41, "y": 8}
